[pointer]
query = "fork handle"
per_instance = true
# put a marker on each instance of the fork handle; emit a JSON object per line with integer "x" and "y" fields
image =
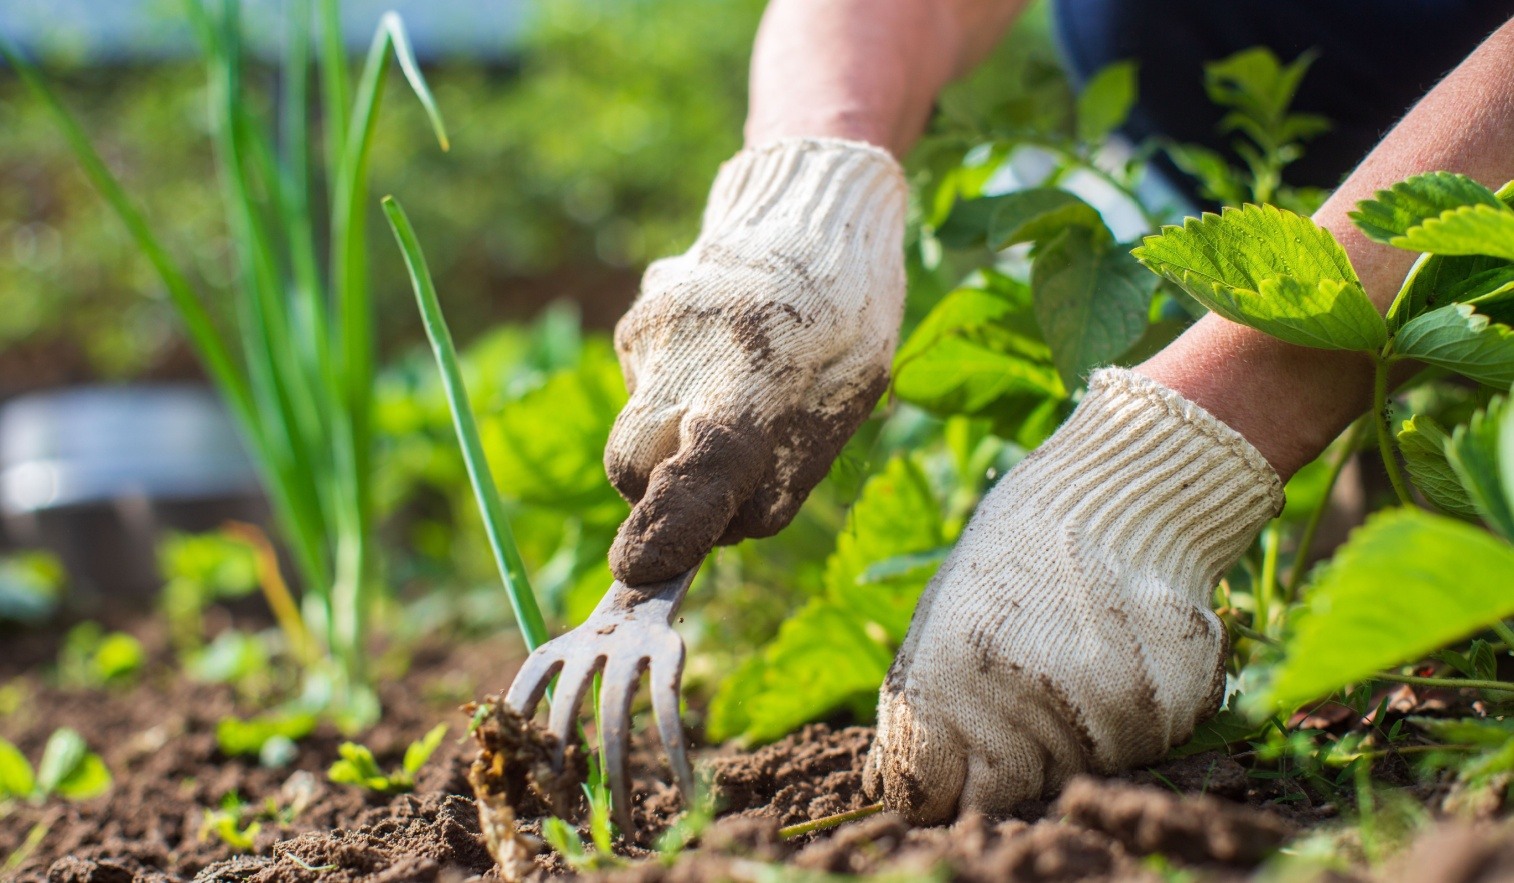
{"x": 623, "y": 602}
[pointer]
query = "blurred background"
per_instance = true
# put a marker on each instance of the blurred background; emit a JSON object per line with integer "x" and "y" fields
{"x": 585, "y": 135}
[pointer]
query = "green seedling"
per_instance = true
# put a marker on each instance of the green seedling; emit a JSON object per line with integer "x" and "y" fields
{"x": 68, "y": 769}
{"x": 226, "y": 824}
{"x": 93, "y": 658}
{"x": 359, "y": 767}
{"x": 31, "y": 584}
{"x": 270, "y": 737}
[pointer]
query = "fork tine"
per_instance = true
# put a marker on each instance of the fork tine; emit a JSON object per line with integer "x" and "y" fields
{"x": 572, "y": 681}
{"x": 531, "y": 681}
{"x": 615, "y": 694}
{"x": 667, "y": 673}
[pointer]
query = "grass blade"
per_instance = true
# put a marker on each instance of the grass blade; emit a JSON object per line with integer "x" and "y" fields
{"x": 506, "y": 555}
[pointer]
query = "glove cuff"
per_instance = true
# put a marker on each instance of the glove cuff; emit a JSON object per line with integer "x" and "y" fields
{"x": 816, "y": 190}
{"x": 1145, "y": 478}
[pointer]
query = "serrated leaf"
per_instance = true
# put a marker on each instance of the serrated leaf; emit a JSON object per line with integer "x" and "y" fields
{"x": 89, "y": 778}
{"x": 1474, "y": 454}
{"x": 1092, "y": 304}
{"x": 16, "y": 779}
{"x": 1436, "y": 280}
{"x": 1459, "y": 339}
{"x": 1423, "y": 442}
{"x": 1469, "y": 230}
{"x": 420, "y": 751}
{"x": 1106, "y": 100}
{"x": 1403, "y": 585}
{"x": 1411, "y": 202}
{"x": 1272, "y": 270}
{"x": 64, "y": 751}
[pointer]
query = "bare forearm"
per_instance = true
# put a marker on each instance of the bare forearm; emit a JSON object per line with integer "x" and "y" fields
{"x": 867, "y": 70}
{"x": 1291, "y": 401}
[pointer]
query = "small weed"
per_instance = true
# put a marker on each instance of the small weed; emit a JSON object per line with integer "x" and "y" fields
{"x": 68, "y": 769}
{"x": 359, "y": 767}
{"x": 226, "y": 824}
{"x": 93, "y": 658}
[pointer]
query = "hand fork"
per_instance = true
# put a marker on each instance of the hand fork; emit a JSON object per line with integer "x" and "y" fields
{"x": 630, "y": 631}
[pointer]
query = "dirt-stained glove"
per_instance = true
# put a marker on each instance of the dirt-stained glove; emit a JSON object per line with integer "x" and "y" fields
{"x": 754, "y": 356}
{"x": 1070, "y": 629}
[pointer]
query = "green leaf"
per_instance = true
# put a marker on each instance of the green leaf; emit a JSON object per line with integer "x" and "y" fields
{"x": 1459, "y": 339}
{"x": 1405, "y": 584}
{"x": 547, "y": 447}
{"x": 238, "y": 738}
{"x": 118, "y": 657}
{"x": 89, "y": 778}
{"x": 421, "y": 750}
{"x": 64, "y": 751}
{"x": 16, "y": 779}
{"x": 1272, "y": 270}
{"x": 1436, "y": 280}
{"x": 821, "y": 659}
{"x": 1475, "y": 456}
{"x": 896, "y": 514}
{"x": 1092, "y": 304}
{"x": 998, "y": 222}
{"x": 1105, "y": 102}
{"x": 1469, "y": 230}
{"x": 979, "y": 353}
{"x": 1217, "y": 180}
{"x": 835, "y": 651}
{"x": 1409, "y": 203}
{"x": 358, "y": 767}
{"x": 1423, "y": 442}
{"x": 1506, "y": 456}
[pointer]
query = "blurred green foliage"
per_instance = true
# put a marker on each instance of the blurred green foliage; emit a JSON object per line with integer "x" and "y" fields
{"x": 586, "y": 157}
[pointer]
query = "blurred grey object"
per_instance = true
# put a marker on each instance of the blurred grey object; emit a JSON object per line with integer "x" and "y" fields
{"x": 96, "y": 475}
{"x": 116, "y": 30}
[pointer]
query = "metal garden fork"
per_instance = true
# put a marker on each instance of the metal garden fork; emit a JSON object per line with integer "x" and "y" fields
{"x": 629, "y": 632}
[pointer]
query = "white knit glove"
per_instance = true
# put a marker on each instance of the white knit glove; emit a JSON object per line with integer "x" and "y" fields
{"x": 1070, "y": 629}
{"x": 754, "y": 356}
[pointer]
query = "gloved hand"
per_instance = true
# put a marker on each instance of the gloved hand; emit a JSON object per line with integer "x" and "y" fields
{"x": 754, "y": 356}
{"x": 1070, "y": 629}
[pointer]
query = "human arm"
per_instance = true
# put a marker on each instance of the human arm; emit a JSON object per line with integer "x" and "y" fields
{"x": 755, "y": 355}
{"x": 1080, "y": 589}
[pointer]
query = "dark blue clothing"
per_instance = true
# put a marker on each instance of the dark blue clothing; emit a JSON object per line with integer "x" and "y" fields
{"x": 1376, "y": 58}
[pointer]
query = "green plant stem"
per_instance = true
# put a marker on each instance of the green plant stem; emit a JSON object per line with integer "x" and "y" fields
{"x": 1446, "y": 683}
{"x": 511, "y": 569}
{"x": 1504, "y": 633}
{"x": 1311, "y": 527}
{"x": 1385, "y": 430}
{"x": 822, "y": 824}
{"x": 1267, "y": 584}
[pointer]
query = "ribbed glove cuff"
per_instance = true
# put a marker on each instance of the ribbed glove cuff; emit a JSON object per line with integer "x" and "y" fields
{"x": 846, "y": 194}
{"x": 1144, "y": 478}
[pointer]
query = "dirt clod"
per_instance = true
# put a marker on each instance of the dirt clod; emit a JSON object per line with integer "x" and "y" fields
{"x": 1195, "y": 828}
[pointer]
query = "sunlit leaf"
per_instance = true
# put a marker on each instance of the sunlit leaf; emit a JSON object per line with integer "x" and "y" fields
{"x": 1471, "y": 230}
{"x": 420, "y": 751}
{"x": 1411, "y": 202}
{"x": 1405, "y": 584}
{"x": 16, "y": 778}
{"x": 89, "y": 778}
{"x": 1272, "y": 270}
{"x": 64, "y": 751}
{"x": 1105, "y": 101}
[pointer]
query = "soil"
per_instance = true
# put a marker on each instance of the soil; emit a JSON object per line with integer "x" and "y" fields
{"x": 1202, "y": 814}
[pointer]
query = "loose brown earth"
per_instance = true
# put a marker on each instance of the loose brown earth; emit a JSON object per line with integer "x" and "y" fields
{"x": 1202, "y": 814}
